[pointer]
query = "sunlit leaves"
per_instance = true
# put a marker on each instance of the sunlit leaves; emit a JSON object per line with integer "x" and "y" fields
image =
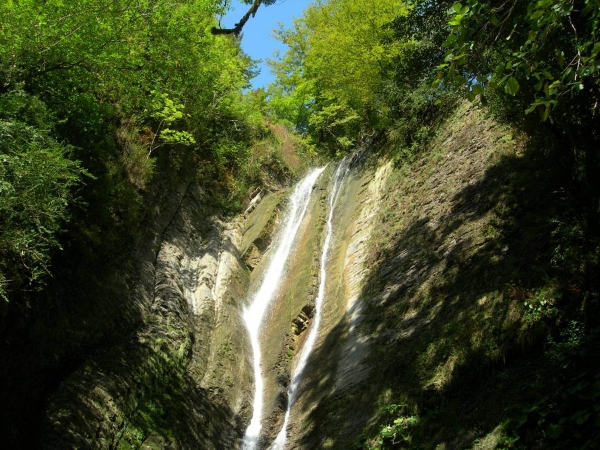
{"x": 36, "y": 181}
{"x": 120, "y": 79}
{"x": 339, "y": 56}
{"x": 547, "y": 44}
{"x": 512, "y": 86}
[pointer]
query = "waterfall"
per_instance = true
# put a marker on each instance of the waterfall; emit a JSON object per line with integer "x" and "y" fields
{"x": 253, "y": 314}
{"x": 279, "y": 443}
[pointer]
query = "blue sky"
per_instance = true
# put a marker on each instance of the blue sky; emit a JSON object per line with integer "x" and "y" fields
{"x": 257, "y": 40}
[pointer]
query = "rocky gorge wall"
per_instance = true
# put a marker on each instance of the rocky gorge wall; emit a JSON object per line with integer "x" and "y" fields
{"x": 418, "y": 300}
{"x": 416, "y": 268}
{"x": 419, "y": 304}
{"x": 122, "y": 395}
{"x": 183, "y": 379}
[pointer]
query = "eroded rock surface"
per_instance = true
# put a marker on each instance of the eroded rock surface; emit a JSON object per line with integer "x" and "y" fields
{"x": 182, "y": 380}
{"x": 399, "y": 236}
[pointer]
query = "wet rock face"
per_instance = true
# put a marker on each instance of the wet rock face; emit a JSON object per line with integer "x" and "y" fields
{"x": 339, "y": 361}
{"x": 397, "y": 234}
{"x": 182, "y": 381}
{"x": 302, "y": 320}
{"x": 286, "y": 326}
{"x": 414, "y": 266}
{"x": 254, "y": 255}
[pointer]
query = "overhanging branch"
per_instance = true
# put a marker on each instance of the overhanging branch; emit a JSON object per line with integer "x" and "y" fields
{"x": 237, "y": 29}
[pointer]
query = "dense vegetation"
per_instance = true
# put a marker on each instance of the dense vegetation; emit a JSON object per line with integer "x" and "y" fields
{"x": 95, "y": 95}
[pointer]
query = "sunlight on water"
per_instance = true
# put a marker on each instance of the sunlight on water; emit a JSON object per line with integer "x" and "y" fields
{"x": 253, "y": 314}
{"x": 279, "y": 443}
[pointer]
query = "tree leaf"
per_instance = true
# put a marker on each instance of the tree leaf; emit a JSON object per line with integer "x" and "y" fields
{"x": 537, "y": 14}
{"x": 459, "y": 79}
{"x": 554, "y": 431}
{"x": 512, "y": 86}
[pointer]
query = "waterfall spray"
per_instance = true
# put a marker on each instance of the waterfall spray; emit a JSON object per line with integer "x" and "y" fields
{"x": 279, "y": 443}
{"x": 253, "y": 314}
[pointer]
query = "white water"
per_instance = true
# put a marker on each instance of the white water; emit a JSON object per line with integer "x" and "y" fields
{"x": 279, "y": 443}
{"x": 253, "y": 314}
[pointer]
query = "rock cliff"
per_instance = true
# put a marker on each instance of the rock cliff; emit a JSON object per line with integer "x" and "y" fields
{"x": 420, "y": 306}
{"x": 182, "y": 379}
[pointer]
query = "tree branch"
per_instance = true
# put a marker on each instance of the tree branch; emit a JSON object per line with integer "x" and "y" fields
{"x": 237, "y": 29}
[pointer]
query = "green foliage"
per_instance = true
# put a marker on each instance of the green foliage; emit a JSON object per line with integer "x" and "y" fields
{"x": 397, "y": 431}
{"x": 37, "y": 178}
{"x": 126, "y": 88}
{"x": 565, "y": 417}
{"x": 167, "y": 112}
{"x": 548, "y": 47}
{"x": 542, "y": 305}
{"x": 353, "y": 70}
{"x": 331, "y": 80}
{"x": 133, "y": 159}
{"x": 416, "y": 107}
{"x": 270, "y": 163}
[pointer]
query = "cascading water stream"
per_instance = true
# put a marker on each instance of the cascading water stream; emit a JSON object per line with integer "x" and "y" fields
{"x": 253, "y": 314}
{"x": 279, "y": 443}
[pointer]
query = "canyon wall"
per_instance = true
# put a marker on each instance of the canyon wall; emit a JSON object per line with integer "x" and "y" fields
{"x": 416, "y": 299}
